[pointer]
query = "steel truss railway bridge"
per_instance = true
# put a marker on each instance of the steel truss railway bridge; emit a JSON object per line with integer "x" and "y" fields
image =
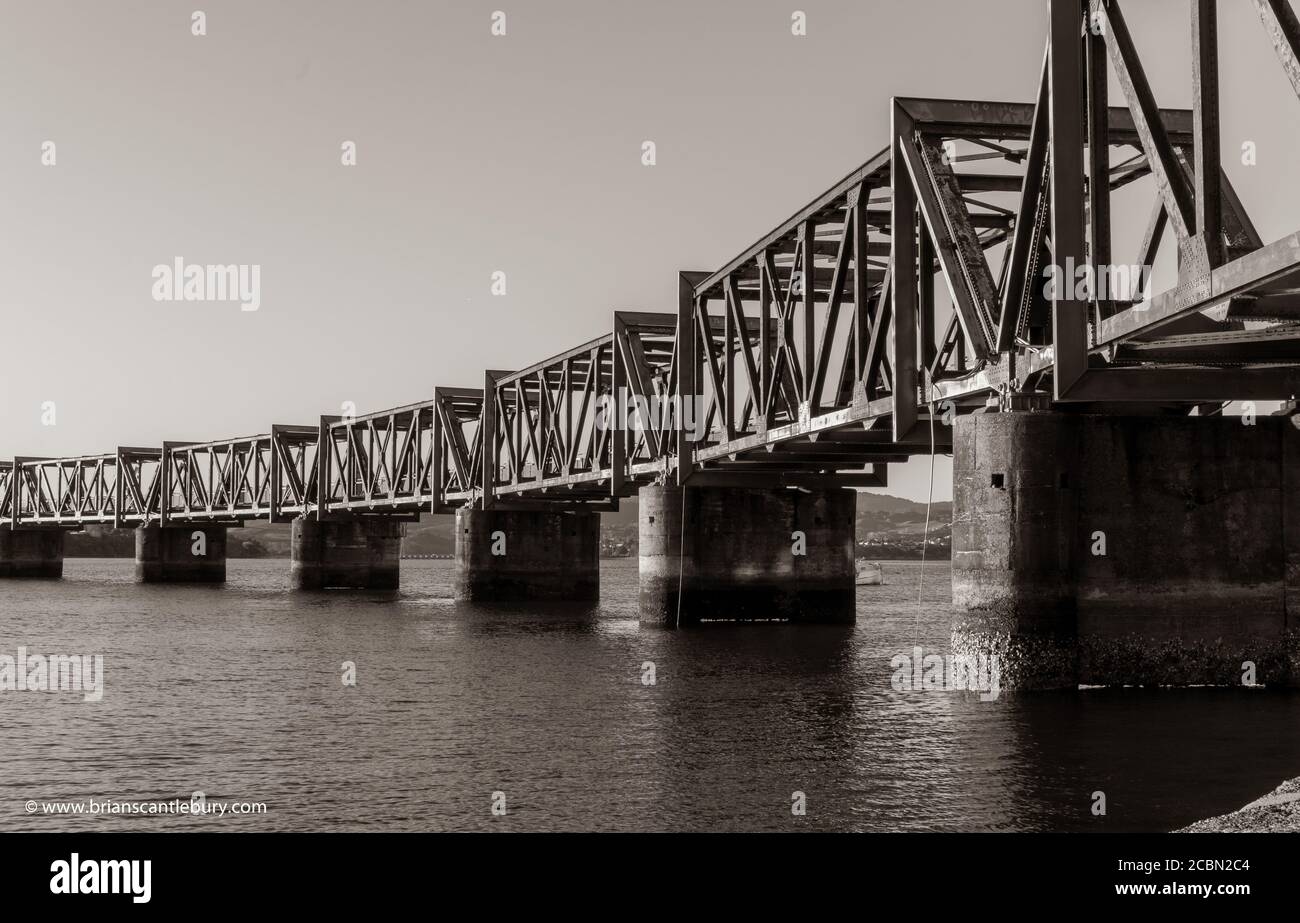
{"x": 901, "y": 312}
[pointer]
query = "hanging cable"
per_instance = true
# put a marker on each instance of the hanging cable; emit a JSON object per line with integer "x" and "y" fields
{"x": 681, "y": 556}
{"x": 925, "y": 538}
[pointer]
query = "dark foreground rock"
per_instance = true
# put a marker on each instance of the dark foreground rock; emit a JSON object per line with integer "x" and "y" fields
{"x": 1276, "y": 812}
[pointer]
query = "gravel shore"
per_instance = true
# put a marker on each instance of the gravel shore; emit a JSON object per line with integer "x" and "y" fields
{"x": 1276, "y": 812}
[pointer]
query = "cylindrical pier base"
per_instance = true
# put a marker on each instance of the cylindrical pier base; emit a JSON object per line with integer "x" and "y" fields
{"x": 31, "y": 553}
{"x": 746, "y": 554}
{"x": 1014, "y": 546}
{"x": 180, "y": 554}
{"x": 1106, "y": 550}
{"x": 355, "y": 554}
{"x": 515, "y": 556}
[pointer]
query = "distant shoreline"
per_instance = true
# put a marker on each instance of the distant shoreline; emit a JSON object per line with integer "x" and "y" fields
{"x": 936, "y": 556}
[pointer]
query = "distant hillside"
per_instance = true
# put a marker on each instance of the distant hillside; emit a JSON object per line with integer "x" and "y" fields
{"x": 877, "y": 513}
{"x": 881, "y": 519}
{"x": 260, "y": 540}
{"x": 882, "y": 513}
{"x": 274, "y": 537}
{"x": 886, "y": 503}
{"x": 431, "y": 535}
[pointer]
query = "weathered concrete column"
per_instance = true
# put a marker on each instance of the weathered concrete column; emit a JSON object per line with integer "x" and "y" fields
{"x": 180, "y": 554}
{"x": 736, "y": 559}
{"x": 31, "y": 553}
{"x": 362, "y": 553}
{"x": 508, "y": 555}
{"x": 1105, "y": 550}
{"x": 1014, "y": 544}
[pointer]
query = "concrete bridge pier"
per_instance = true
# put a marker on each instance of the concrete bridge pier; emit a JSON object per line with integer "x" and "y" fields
{"x": 746, "y": 554}
{"x": 1106, "y": 550}
{"x": 355, "y": 553}
{"x": 515, "y": 555}
{"x": 31, "y": 553}
{"x": 180, "y": 554}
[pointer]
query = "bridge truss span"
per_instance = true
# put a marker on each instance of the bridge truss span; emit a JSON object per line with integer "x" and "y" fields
{"x": 115, "y": 489}
{"x": 845, "y": 339}
{"x": 379, "y": 462}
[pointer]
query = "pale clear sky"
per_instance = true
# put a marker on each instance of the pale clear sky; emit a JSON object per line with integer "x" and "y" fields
{"x": 475, "y": 153}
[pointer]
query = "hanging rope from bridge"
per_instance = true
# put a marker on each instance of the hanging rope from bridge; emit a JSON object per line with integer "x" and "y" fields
{"x": 925, "y": 537}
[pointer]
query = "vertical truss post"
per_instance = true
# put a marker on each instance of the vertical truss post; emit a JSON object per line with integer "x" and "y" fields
{"x": 902, "y": 228}
{"x": 1069, "y": 315}
{"x": 763, "y": 417}
{"x": 925, "y": 257}
{"x": 118, "y": 487}
{"x": 517, "y": 437}
{"x": 861, "y": 293}
{"x": 615, "y": 416}
{"x": 1205, "y": 129}
{"x": 488, "y": 437}
{"x": 416, "y": 457}
{"x": 688, "y": 369}
{"x": 729, "y": 333}
{"x": 165, "y": 482}
{"x": 275, "y": 477}
{"x": 1022, "y": 250}
{"x": 13, "y": 494}
{"x": 566, "y": 463}
{"x": 324, "y": 449}
{"x": 1099, "y": 249}
{"x": 18, "y": 482}
{"x": 807, "y": 234}
{"x": 437, "y": 482}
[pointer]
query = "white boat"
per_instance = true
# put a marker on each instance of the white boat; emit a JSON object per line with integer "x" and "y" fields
{"x": 870, "y": 574}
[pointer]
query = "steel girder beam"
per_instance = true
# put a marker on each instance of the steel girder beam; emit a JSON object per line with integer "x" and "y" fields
{"x": 1272, "y": 271}
{"x": 1284, "y": 32}
{"x": 1011, "y": 121}
{"x": 1229, "y": 347}
{"x": 1191, "y": 385}
{"x": 961, "y": 257}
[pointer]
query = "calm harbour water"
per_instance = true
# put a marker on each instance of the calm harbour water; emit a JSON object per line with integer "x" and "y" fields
{"x": 236, "y": 691}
